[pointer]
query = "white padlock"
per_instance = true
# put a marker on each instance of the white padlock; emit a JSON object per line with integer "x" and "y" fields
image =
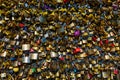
{"x": 3, "y": 75}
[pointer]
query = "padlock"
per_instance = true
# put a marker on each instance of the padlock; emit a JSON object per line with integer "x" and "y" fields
{"x": 105, "y": 74}
{"x": 25, "y": 47}
{"x": 4, "y": 54}
{"x": 34, "y": 56}
{"x": 113, "y": 49}
{"x": 16, "y": 69}
{"x": 107, "y": 57}
{"x": 83, "y": 55}
{"x": 84, "y": 41}
{"x": 77, "y": 33}
{"x": 12, "y": 42}
{"x": 26, "y": 59}
{"x": 117, "y": 48}
{"x": 53, "y": 54}
{"x": 15, "y": 63}
{"x": 3, "y": 75}
{"x": 90, "y": 65}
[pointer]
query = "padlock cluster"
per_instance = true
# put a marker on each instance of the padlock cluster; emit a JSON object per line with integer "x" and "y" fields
{"x": 59, "y": 39}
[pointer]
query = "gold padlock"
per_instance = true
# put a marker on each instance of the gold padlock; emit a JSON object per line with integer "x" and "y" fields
{"x": 57, "y": 74}
{"x": 112, "y": 49}
{"x": 107, "y": 57}
{"x": 16, "y": 69}
{"x": 117, "y": 48}
{"x": 83, "y": 55}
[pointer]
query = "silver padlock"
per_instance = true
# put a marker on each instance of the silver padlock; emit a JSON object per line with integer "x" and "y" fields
{"x": 26, "y": 59}
{"x": 53, "y": 54}
{"x": 3, "y": 75}
{"x": 25, "y": 47}
{"x": 34, "y": 56}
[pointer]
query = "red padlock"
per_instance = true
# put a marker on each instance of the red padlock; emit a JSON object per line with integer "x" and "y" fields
{"x": 65, "y": 1}
{"x": 101, "y": 42}
{"x": 77, "y": 50}
{"x": 21, "y": 25}
{"x": 94, "y": 39}
{"x": 116, "y": 71}
{"x": 112, "y": 45}
{"x": 106, "y": 41}
{"x": 61, "y": 58}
